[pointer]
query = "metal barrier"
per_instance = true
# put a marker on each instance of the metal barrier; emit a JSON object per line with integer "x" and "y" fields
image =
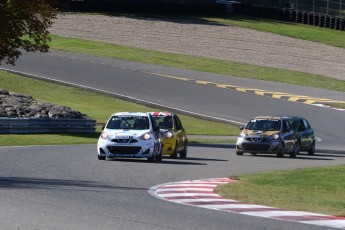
{"x": 46, "y": 125}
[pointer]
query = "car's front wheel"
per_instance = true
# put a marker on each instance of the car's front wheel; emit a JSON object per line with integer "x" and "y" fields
{"x": 281, "y": 152}
{"x": 239, "y": 153}
{"x": 183, "y": 154}
{"x": 295, "y": 151}
{"x": 151, "y": 158}
{"x": 311, "y": 150}
{"x": 175, "y": 153}
{"x": 101, "y": 157}
{"x": 159, "y": 157}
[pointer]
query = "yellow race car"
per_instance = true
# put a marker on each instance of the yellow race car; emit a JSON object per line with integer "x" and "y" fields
{"x": 174, "y": 139}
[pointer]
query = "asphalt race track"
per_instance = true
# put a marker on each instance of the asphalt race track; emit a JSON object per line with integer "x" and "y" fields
{"x": 66, "y": 187}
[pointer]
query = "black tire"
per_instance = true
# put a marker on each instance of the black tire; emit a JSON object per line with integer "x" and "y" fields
{"x": 295, "y": 150}
{"x": 159, "y": 157}
{"x": 101, "y": 158}
{"x": 183, "y": 154}
{"x": 311, "y": 151}
{"x": 239, "y": 153}
{"x": 151, "y": 159}
{"x": 174, "y": 155}
{"x": 281, "y": 152}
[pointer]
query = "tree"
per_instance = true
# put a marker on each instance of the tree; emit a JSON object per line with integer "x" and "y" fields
{"x": 24, "y": 26}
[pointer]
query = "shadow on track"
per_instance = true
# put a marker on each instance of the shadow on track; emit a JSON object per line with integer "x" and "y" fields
{"x": 222, "y": 146}
{"x": 50, "y": 184}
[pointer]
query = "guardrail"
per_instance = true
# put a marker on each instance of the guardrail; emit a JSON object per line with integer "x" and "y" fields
{"x": 46, "y": 125}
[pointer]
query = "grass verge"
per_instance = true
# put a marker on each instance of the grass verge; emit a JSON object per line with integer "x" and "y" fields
{"x": 320, "y": 190}
{"x": 195, "y": 63}
{"x": 296, "y": 30}
{"x": 94, "y": 105}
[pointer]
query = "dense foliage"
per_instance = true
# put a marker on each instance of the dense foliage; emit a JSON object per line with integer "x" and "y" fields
{"x": 24, "y": 26}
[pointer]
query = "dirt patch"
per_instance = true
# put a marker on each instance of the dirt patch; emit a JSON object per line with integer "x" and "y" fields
{"x": 207, "y": 40}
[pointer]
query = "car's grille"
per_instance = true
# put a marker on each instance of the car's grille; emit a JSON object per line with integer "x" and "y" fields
{"x": 256, "y": 147}
{"x": 257, "y": 139}
{"x": 124, "y": 149}
{"x": 124, "y": 140}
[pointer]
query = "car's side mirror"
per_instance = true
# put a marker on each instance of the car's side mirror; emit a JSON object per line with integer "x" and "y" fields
{"x": 242, "y": 127}
{"x": 103, "y": 126}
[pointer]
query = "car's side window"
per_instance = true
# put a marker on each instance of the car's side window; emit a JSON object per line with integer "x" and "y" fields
{"x": 286, "y": 125}
{"x": 306, "y": 124}
{"x": 178, "y": 123}
{"x": 154, "y": 124}
{"x": 294, "y": 124}
{"x": 301, "y": 125}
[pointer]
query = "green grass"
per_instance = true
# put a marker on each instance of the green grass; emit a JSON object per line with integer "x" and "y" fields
{"x": 320, "y": 190}
{"x": 296, "y": 30}
{"x": 94, "y": 105}
{"x": 195, "y": 63}
{"x": 338, "y": 105}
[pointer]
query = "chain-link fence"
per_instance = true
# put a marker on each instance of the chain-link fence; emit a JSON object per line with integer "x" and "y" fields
{"x": 327, "y": 7}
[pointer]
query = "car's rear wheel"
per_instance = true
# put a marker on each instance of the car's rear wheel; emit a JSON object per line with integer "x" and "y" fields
{"x": 183, "y": 154}
{"x": 311, "y": 150}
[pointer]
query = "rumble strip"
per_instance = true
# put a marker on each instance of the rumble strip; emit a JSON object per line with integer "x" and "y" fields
{"x": 200, "y": 193}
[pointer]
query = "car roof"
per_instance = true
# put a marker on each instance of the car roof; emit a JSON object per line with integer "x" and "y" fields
{"x": 131, "y": 114}
{"x": 161, "y": 114}
{"x": 275, "y": 117}
{"x": 267, "y": 117}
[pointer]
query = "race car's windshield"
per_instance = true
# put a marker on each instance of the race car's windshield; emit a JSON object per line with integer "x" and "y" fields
{"x": 264, "y": 124}
{"x": 164, "y": 122}
{"x": 128, "y": 122}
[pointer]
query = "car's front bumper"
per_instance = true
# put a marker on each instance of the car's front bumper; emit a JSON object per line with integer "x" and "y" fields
{"x": 141, "y": 149}
{"x": 268, "y": 147}
{"x": 168, "y": 146}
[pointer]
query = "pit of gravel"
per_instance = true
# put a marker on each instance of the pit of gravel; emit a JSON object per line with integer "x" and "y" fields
{"x": 206, "y": 39}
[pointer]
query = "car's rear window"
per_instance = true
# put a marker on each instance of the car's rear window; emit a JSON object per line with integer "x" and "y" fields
{"x": 128, "y": 122}
{"x": 264, "y": 124}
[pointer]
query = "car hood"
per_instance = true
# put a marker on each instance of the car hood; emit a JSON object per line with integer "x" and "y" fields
{"x": 259, "y": 132}
{"x": 162, "y": 131}
{"x": 125, "y": 133}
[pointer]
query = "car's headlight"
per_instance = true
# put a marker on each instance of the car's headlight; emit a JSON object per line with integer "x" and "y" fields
{"x": 274, "y": 137}
{"x": 105, "y": 135}
{"x": 145, "y": 136}
{"x": 240, "y": 138}
{"x": 168, "y": 135}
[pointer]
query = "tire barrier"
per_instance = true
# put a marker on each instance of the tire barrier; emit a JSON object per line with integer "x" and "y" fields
{"x": 289, "y": 15}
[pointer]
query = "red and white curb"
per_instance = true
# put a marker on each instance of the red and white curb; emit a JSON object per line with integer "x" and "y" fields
{"x": 200, "y": 193}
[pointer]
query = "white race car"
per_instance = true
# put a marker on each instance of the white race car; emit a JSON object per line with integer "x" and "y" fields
{"x": 130, "y": 135}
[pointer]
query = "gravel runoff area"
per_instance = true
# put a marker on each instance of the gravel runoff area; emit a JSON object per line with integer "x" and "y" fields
{"x": 200, "y": 38}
